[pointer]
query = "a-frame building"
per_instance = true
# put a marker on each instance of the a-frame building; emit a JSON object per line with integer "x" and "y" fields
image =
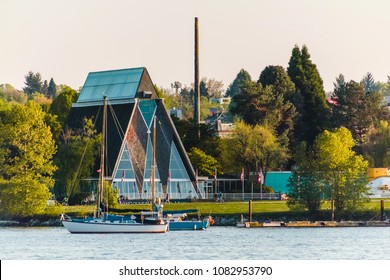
{"x": 132, "y": 105}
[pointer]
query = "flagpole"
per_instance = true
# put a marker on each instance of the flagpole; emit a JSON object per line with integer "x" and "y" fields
{"x": 242, "y": 183}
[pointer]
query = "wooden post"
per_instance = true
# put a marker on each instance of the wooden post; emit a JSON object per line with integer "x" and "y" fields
{"x": 382, "y": 210}
{"x": 332, "y": 210}
{"x": 250, "y": 211}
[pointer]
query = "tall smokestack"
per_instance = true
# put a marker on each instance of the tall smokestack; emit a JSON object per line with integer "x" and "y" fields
{"x": 197, "y": 82}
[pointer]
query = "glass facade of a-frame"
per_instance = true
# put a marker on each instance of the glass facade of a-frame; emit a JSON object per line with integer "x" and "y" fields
{"x": 177, "y": 186}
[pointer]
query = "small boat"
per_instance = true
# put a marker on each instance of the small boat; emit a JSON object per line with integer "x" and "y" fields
{"x": 110, "y": 225}
{"x": 178, "y": 220}
{"x": 102, "y": 222}
{"x": 241, "y": 223}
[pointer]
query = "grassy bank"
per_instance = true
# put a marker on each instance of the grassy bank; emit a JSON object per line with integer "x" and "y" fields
{"x": 261, "y": 210}
{"x": 265, "y": 209}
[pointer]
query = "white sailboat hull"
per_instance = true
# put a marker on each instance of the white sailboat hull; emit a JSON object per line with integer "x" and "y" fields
{"x": 98, "y": 226}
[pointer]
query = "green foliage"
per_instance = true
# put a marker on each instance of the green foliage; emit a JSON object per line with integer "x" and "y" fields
{"x": 170, "y": 101}
{"x": 10, "y": 94}
{"x": 377, "y": 148}
{"x": 305, "y": 189}
{"x": 249, "y": 145}
{"x": 63, "y": 103}
{"x": 26, "y": 167}
{"x": 75, "y": 158}
{"x": 342, "y": 172}
{"x": 309, "y": 98}
{"x": 33, "y": 82}
{"x": 332, "y": 171}
{"x": 357, "y": 110}
{"x": 235, "y": 87}
{"x": 267, "y": 104}
{"x": 205, "y": 164}
{"x": 204, "y": 140}
{"x": 110, "y": 195}
{"x": 52, "y": 88}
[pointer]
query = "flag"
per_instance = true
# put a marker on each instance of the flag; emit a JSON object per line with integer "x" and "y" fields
{"x": 123, "y": 175}
{"x": 242, "y": 175}
{"x": 99, "y": 170}
{"x": 169, "y": 176}
{"x": 260, "y": 177}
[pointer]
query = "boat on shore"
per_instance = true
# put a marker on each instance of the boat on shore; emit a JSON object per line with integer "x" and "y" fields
{"x": 102, "y": 222}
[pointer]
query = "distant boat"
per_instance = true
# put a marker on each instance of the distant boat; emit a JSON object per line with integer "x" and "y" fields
{"x": 241, "y": 223}
{"x": 105, "y": 223}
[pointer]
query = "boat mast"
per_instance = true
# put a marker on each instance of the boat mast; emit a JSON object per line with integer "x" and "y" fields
{"x": 153, "y": 159}
{"x": 101, "y": 176}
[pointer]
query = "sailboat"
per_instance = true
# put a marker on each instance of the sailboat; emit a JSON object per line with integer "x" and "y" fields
{"x": 102, "y": 222}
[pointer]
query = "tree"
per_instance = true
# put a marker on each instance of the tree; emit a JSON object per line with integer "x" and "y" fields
{"x": 9, "y": 93}
{"x": 309, "y": 99}
{"x": 266, "y": 105}
{"x": 377, "y": 148}
{"x": 235, "y": 87}
{"x": 340, "y": 170}
{"x": 305, "y": 190}
{"x": 33, "y": 83}
{"x": 330, "y": 170}
{"x": 75, "y": 158}
{"x": 357, "y": 110}
{"x": 214, "y": 88}
{"x": 368, "y": 83}
{"x": 250, "y": 147}
{"x": 170, "y": 101}
{"x": 63, "y": 103}
{"x": 26, "y": 167}
{"x": 44, "y": 88}
{"x": 282, "y": 89}
{"x": 205, "y": 164}
{"x": 205, "y": 140}
{"x": 52, "y": 89}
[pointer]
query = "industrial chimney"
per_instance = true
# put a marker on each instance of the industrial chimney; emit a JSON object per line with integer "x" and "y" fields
{"x": 197, "y": 82}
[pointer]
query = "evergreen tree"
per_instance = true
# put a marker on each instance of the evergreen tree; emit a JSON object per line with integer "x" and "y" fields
{"x": 52, "y": 89}
{"x": 281, "y": 106}
{"x": 33, "y": 83}
{"x": 368, "y": 83}
{"x": 310, "y": 99}
{"x": 44, "y": 88}
{"x": 235, "y": 87}
{"x": 357, "y": 110}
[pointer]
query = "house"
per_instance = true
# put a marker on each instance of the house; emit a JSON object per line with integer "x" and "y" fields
{"x": 132, "y": 106}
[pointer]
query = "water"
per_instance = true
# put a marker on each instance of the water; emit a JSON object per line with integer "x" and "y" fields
{"x": 215, "y": 243}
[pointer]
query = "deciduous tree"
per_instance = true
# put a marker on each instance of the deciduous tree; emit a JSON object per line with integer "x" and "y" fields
{"x": 26, "y": 166}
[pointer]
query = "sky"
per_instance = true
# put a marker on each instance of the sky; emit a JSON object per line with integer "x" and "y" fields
{"x": 68, "y": 39}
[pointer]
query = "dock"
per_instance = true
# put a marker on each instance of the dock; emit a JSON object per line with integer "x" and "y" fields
{"x": 305, "y": 224}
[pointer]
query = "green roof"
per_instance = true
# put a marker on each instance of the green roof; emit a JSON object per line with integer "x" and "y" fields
{"x": 115, "y": 84}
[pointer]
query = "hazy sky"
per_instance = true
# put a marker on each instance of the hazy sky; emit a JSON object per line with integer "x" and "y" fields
{"x": 68, "y": 39}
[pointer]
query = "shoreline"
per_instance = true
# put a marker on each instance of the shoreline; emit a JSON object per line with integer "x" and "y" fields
{"x": 224, "y": 220}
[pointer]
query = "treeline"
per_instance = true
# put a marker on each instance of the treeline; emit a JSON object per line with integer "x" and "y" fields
{"x": 40, "y": 157}
{"x": 283, "y": 120}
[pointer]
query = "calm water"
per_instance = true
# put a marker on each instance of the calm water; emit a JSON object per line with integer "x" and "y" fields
{"x": 228, "y": 243}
